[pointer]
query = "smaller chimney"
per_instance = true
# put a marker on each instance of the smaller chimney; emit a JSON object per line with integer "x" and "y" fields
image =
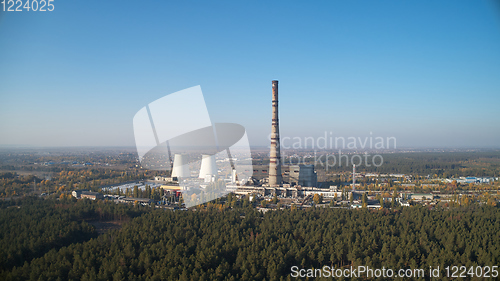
{"x": 353, "y": 177}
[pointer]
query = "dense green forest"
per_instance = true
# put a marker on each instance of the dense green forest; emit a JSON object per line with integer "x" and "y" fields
{"x": 12, "y": 184}
{"x": 442, "y": 164}
{"x": 50, "y": 240}
{"x": 32, "y": 227}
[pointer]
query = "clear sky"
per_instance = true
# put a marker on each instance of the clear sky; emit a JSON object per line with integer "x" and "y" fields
{"x": 425, "y": 72}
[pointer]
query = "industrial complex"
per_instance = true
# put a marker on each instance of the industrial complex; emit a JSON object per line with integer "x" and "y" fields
{"x": 195, "y": 181}
{"x": 275, "y": 179}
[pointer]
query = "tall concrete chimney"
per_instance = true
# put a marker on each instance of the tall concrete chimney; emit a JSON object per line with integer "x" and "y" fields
{"x": 275, "y": 158}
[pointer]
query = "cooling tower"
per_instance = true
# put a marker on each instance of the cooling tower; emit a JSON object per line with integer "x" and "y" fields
{"x": 208, "y": 166}
{"x": 274, "y": 163}
{"x": 181, "y": 167}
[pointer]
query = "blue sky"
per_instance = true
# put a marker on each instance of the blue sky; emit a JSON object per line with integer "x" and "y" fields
{"x": 425, "y": 72}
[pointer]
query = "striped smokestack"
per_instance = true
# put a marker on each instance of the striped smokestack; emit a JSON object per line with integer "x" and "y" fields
{"x": 274, "y": 164}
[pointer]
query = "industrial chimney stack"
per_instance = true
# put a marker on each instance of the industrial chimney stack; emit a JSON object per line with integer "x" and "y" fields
{"x": 275, "y": 165}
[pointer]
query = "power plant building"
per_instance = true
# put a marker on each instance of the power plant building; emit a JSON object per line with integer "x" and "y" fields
{"x": 303, "y": 175}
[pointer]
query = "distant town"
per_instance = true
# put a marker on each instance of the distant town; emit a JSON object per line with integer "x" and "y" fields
{"x": 382, "y": 191}
{"x": 114, "y": 174}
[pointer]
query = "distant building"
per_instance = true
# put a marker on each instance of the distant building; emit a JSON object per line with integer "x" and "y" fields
{"x": 430, "y": 185}
{"x": 468, "y": 180}
{"x": 261, "y": 172}
{"x": 171, "y": 189}
{"x": 486, "y": 180}
{"x": 142, "y": 201}
{"x": 77, "y": 193}
{"x": 325, "y": 193}
{"x": 421, "y": 196}
{"x": 294, "y": 175}
{"x": 404, "y": 203}
{"x": 167, "y": 187}
{"x": 91, "y": 195}
{"x": 165, "y": 179}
